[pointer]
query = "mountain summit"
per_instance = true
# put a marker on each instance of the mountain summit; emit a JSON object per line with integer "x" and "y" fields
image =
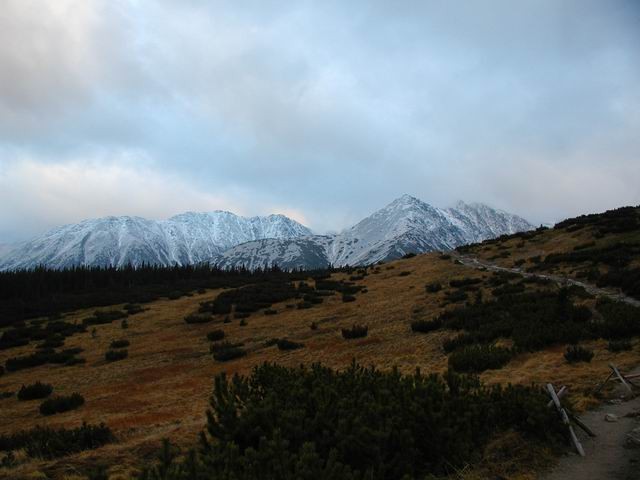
{"x": 406, "y": 225}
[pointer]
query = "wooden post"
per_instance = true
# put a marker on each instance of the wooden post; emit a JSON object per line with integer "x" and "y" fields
{"x": 603, "y": 384}
{"x": 565, "y": 419}
{"x": 561, "y": 393}
{"x": 620, "y": 377}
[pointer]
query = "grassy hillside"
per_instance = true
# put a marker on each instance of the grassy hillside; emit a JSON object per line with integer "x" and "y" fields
{"x": 429, "y": 312}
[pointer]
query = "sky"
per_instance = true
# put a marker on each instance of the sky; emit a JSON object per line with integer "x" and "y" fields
{"x": 321, "y": 110}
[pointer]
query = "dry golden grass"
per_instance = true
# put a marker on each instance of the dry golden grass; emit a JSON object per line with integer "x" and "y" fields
{"x": 162, "y": 388}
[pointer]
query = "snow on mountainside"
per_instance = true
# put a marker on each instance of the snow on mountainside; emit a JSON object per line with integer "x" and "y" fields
{"x": 405, "y": 225}
{"x": 184, "y": 239}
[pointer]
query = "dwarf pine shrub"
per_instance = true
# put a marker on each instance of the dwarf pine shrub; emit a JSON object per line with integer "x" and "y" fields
{"x": 34, "y": 391}
{"x": 576, "y": 353}
{"x": 478, "y": 358}
{"x": 61, "y": 404}
{"x": 356, "y": 331}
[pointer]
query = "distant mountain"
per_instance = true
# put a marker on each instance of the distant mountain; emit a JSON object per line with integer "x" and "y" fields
{"x": 187, "y": 238}
{"x": 406, "y": 225}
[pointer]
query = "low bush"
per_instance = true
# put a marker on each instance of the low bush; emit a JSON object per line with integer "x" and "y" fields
{"x": 576, "y": 353}
{"x": 270, "y": 311}
{"x": 227, "y": 351}
{"x": 357, "y": 423}
{"x": 48, "y": 443}
{"x": 241, "y": 315}
{"x": 464, "y": 282}
{"x": 284, "y": 344}
{"x": 119, "y": 344}
{"x": 198, "y": 318}
{"x": 61, "y": 404}
{"x": 313, "y": 326}
{"x": 215, "y": 335}
{"x": 102, "y": 318}
{"x": 348, "y": 298}
{"x": 425, "y": 326}
{"x": 115, "y": 355}
{"x": 478, "y": 358}
{"x": 133, "y": 308}
{"x": 356, "y": 331}
{"x": 404, "y": 274}
{"x": 433, "y": 287}
{"x": 35, "y": 391}
{"x": 408, "y": 255}
{"x": 619, "y": 346}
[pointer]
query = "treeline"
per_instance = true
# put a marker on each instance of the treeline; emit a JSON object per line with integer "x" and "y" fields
{"x": 43, "y": 292}
{"x": 358, "y": 423}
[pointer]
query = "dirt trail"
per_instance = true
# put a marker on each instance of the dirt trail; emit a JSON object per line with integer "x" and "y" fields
{"x": 606, "y": 455}
{"x": 559, "y": 279}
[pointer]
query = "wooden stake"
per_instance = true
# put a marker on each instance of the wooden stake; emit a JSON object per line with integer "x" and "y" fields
{"x": 565, "y": 419}
{"x": 579, "y": 423}
{"x": 561, "y": 393}
{"x": 620, "y": 377}
{"x": 603, "y": 383}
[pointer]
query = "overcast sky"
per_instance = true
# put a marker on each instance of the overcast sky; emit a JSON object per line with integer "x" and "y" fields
{"x": 324, "y": 110}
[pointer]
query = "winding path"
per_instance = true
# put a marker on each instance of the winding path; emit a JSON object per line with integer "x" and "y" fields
{"x": 474, "y": 262}
{"x": 606, "y": 455}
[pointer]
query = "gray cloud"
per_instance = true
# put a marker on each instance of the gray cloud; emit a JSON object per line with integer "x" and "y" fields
{"x": 325, "y": 109}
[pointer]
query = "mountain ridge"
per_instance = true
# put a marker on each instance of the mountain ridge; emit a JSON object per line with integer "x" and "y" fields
{"x": 406, "y": 225}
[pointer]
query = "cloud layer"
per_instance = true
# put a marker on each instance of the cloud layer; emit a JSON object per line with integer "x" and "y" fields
{"x": 327, "y": 109}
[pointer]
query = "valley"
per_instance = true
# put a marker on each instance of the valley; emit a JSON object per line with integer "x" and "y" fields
{"x": 163, "y": 386}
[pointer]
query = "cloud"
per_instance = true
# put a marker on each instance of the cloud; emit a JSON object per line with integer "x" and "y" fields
{"x": 327, "y": 109}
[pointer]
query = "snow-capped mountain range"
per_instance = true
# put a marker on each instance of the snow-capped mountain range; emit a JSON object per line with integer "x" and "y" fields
{"x": 405, "y": 225}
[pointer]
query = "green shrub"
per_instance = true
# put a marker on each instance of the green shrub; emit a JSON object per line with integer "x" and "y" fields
{"x": 425, "y": 326}
{"x": 102, "y": 318}
{"x": 241, "y": 315}
{"x": 404, "y": 274}
{"x": 133, "y": 308}
{"x": 478, "y": 358}
{"x": 115, "y": 355}
{"x": 35, "y": 391}
{"x": 270, "y": 311}
{"x": 619, "y": 346}
{"x": 348, "y": 298}
{"x": 243, "y": 323}
{"x": 215, "y": 335}
{"x": 356, "y": 331}
{"x": 433, "y": 287}
{"x": 313, "y": 326}
{"x": 409, "y": 255}
{"x": 576, "y": 353}
{"x": 357, "y": 423}
{"x": 198, "y": 318}
{"x": 48, "y": 443}
{"x": 226, "y": 351}
{"x": 464, "y": 282}
{"x": 61, "y": 404}
{"x": 119, "y": 344}
{"x": 124, "y": 324}
{"x": 284, "y": 344}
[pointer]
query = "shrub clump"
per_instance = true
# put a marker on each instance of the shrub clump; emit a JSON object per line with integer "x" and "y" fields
{"x": 119, "y": 344}
{"x": 115, "y": 355}
{"x": 356, "y": 331}
{"x": 619, "y": 346}
{"x": 48, "y": 443}
{"x": 35, "y": 391}
{"x": 576, "y": 353}
{"x": 425, "y": 326}
{"x": 358, "y": 423}
{"x": 61, "y": 404}
{"x": 198, "y": 318}
{"x": 225, "y": 351}
{"x": 433, "y": 287}
{"x": 284, "y": 344}
{"x": 215, "y": 335}
{"x": 478, "y": 358}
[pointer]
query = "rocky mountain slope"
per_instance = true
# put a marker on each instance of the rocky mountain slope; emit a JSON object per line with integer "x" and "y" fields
{"x": 406, "y": 225}
{"x": 187, "y": 238}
